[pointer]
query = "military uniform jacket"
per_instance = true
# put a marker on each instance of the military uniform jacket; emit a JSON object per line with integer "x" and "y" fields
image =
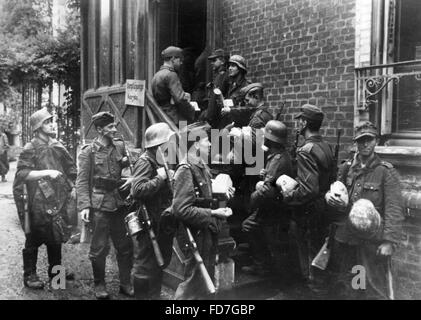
{"x": 379, "y": 183}
{"x": 192, "y": 180}
{"x": 166, "y": 85}
{"x": 45, "y": 196}
{"x": 267, "y": 198}
{"x": 148, "y": 187}
{"x": 260, "y": 117}
{"x": 315, "y": 170}
{"x": 99, "y": 161}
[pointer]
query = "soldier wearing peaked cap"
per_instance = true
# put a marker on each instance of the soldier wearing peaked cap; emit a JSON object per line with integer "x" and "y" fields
{"x": 218, "y": 60}
{"x": 167, "y": 89}
{"x": 315, "y": 173}
{"x": 366, "y": 176}
{"x": 48, "y": 171}
{"x": 192, "y": 206}
{"x": 100, "y": 204}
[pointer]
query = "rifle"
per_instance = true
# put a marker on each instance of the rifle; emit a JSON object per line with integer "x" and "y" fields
{"x": 27, "y": 221}
{"x": 293, "y": 151}
{"x": 148, "y": 223}
{"x": 322, "y": 258}
{"x": 195, "y": 251}
{"x": 336, "y": 156}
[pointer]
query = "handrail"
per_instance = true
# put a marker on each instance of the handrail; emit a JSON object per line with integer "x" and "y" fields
{"x": 389, "y": 65}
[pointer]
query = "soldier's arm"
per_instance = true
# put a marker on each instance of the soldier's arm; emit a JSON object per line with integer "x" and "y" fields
{"x": 184, "y": 201}
{"x": 145, "y": 184}
{"x": 26, "y": 170}
{"x": 393, "y": 207}
{"x": 176, "y": 89}
{"x": 83, "y": 179}
{"x": 307, "y": 178}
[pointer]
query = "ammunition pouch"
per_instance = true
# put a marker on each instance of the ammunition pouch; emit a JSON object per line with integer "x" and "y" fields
{"x": 106, "y": 184}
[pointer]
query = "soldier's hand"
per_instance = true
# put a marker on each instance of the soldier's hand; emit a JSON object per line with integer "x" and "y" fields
{"x": 171, "y": 173}
{"x": 84, "y": 215}
{"x": 229, "y": 126}
{"x": 187, "y": 96}
{"x": 385, "y": 249}
{"x": 230, "y": 193}
{"x": 127, "y": 184}
{"x": 53, "y": 174}
{"x": 222, "y": 213}
{"x": 334, "y": 202}
{"x": 259, "y": 185}
{"x": 250, "y": 223}
{"x": 262, "y": 173}
{"x": 225, "y": 110}
{"x": 161, "y": 173}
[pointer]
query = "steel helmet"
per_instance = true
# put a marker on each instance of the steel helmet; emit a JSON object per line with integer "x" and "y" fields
{"x": 364, "y": 220}
{"x": 157, "y": 134}
{"x": 38, "y": 118}
{"x": 275, "y": 131}
{"x": 286, "y": 183}
{"x": 239, "y": 61}
{"x": 339, "y": 191}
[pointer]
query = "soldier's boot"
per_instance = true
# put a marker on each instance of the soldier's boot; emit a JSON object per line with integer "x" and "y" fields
{"x": 54, "y": 259}
{"x": 141, "y": 287}
{"x": 98, "y": 269}
{"x": 30, "y": 277}
{"x": 125, "y": 264}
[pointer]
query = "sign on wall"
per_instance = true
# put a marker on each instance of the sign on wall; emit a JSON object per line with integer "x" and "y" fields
{"x": 135, "y": 92}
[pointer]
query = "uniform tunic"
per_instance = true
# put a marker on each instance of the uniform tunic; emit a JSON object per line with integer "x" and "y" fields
{"x": 96, "y": 162}
{"x": 170, "y": 96}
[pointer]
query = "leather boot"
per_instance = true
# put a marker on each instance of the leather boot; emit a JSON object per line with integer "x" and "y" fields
{"x": 141, "y": 287}
{"x": 98, "y": 269}
{"x": 124, "y": 269}
{"x": 33, "y": 282}
{"x": 30, "y": 277}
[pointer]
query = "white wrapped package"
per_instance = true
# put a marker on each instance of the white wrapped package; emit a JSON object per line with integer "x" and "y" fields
{"x": 286, "y": 183}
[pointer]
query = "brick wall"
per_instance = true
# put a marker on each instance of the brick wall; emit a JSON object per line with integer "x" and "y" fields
{"x": 303, "y": 51}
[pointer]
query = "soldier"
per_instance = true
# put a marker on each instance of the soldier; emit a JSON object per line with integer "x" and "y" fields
{"x": 237, "y": 80}
{"x": 48, "y": 171}
{"x": 150, "y": 187}
{"x": 167, "y": 89}
{"x": 366, "y": 176}
{"x": 4, "y": 161}
{"x": 269, "y": 213}
{"x": 220, "y": 80}
{"x": 192, "y": 189}
{"x": 315, "y": 172}
{"x": 99, "y": 176}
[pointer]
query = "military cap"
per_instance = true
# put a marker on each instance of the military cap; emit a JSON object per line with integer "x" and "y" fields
{"x": 239, "y": 61}
{"x": 310, "y": 112}
{"x": 196, "y": 128}
{"x": 101, "y": 119}
{"x": 365, "y": 129}
{"x": 216, "y": 54}
{"x": 252, "y": 87}
{"x": 172, "y": 52}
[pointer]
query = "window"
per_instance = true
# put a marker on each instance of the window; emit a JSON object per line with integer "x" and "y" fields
{"x": 389, "y": 85}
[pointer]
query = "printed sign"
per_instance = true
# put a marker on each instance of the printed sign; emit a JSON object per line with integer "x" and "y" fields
{"x": 135, "y": 92}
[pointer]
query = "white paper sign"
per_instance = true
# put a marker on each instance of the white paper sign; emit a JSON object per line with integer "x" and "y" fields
{"x": 135, "y": 92}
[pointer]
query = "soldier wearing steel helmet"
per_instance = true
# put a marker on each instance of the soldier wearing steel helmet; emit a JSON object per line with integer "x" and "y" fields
{"x": 237, "y": 72}
{"x": 100, "y": 165}
{"x": 315, "y": 173}
{"x": 48, "y": 171}
{"x": 368, "y": 177}
{"x": 270, "y": 214}
{"x": 167, "y": 89}
{"x": 150, "y": 187}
